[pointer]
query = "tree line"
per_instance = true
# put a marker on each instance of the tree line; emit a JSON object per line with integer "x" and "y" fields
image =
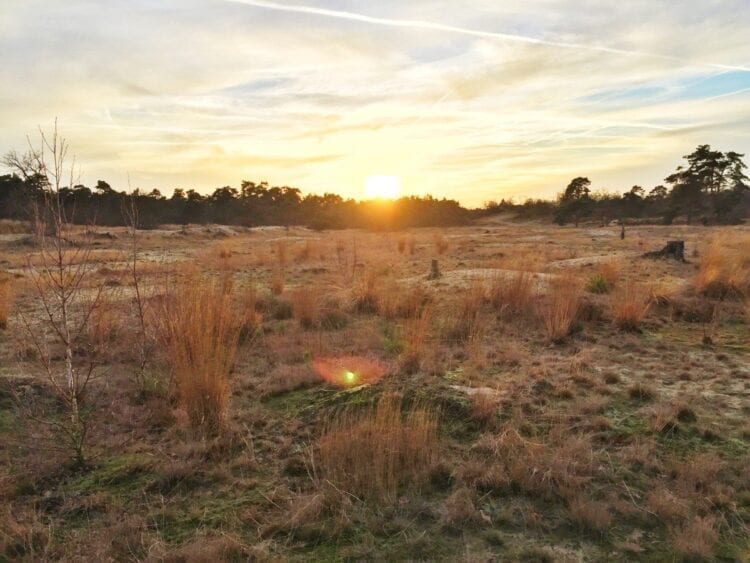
{"x": 712, "y": 186}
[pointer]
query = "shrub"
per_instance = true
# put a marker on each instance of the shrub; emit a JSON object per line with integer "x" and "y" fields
{"x": 200, "y": 332}
{"x": 374, "y": 454}
{"x": 597, "y": 284}
{"x": 6, "y": 301}
{"x": 629, "y": 306}
{"x": 724, "y": 269}
{"x": 512, "y": 295}
{"x": 560, "y": 309}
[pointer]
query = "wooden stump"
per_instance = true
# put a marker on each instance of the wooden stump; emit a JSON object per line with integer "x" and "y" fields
{"x": 675, "y": 250}
{"x": 434, "y": 271}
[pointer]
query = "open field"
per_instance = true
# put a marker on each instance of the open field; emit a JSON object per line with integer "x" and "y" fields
{"x": 550, "y": 396}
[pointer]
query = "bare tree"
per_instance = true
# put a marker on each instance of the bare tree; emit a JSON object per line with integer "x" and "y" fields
{"x": 62, "y": 275}
{"x": 130, "y": 213}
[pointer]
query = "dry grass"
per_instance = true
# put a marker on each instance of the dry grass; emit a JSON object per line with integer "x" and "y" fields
{"x": 559, "y": 310}
{"x": 7, "y": 295}
{"x": 277, "y": 282}
{"x": 397, "y": 301}
{"x": 630, "y": 304}
{"x": 591, "y": 514}
{"x": 697, "y": 539}
{"x": 466, "y": 314}
{"x": 484, "y": 408}
{"x": 512, "y": 295}
{"x": 306, "y": 306}
{"x": 367, "y": 293}
{"x": 415, "y": 339}
{"x": 441, "y": 243}
{"x": 374, "y": 454}
{"x": 200, "y": 330}
{"x": 724, "y": 269}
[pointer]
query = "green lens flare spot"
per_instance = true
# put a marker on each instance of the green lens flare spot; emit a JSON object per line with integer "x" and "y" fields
{"x": 349, "y": 376}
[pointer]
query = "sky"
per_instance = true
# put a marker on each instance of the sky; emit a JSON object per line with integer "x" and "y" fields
{"x": 474, "y": 101}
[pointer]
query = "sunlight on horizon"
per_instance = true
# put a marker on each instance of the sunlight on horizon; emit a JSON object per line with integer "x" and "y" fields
{"x": 382, "y": 187}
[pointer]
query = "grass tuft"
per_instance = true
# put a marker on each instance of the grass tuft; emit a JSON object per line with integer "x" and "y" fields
{"x": 372, "y": 455}
{"x": 200, "y": 332}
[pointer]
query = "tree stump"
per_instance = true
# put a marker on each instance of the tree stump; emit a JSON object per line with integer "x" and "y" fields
{"x": 434, "y": 271}
{"x": 675, "y": 249}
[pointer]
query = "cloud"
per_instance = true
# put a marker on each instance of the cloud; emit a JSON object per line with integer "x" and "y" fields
{"x": 472, "y": 101}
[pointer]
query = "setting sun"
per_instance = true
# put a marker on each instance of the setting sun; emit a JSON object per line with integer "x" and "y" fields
{"x": 385, "y": 187}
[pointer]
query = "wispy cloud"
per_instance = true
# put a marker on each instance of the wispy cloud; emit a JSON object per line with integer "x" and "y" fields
{"x": 475, "y": 101}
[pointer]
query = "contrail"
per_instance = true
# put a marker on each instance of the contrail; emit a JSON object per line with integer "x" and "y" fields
{"x": 421, "y": 24}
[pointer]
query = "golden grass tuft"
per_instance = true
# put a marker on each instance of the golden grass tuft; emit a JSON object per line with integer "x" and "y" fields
{"x": 373, "y": 454}
{"x": 697, "y": 539}
{"x": 724, "y": 269}
{"x": 467, "y": 314}
{"x": 200, "y": 332}
{"x": 441, "y": 243}
{"x": 415, "y": 338}
{"x": 512, "y": 295}
{"x": 277, "y": 282}
{"x": 559, "y": 310}
{"x": 306, "y": 306}
{"x": 630, "y": 303}
{"x": 7, "y": 295}
{"x": 367, "y": 292}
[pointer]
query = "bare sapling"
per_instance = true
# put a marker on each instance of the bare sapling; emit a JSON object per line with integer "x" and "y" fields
{"x": 130, "y": 213}
{"x": 62, "y": 275}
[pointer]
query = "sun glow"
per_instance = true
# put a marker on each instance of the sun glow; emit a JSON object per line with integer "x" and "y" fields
{"x": 383, "y": 187}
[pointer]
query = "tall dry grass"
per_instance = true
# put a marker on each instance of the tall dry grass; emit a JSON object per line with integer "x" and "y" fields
{"x": 630, "y": 303}
{"x": 724, "y": 269}
{"x": 466, "y": 321}
{"x": 415, "y": 335}
{"x": 441, "y": 243}
{"x": 7, "y": 295}
{"x": 512, "y": 295}
{"x": 200, "y": 331}
{"x": 561, "y": 306}
{"x": 373, "y": 454}
{"x": 306, "y": 306}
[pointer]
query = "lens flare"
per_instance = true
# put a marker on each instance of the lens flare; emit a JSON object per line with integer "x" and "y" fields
{"x": 349, "y": 371}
